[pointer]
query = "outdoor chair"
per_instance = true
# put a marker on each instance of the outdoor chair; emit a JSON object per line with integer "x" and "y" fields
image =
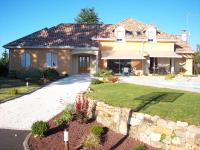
{"x": 126, "y": 71}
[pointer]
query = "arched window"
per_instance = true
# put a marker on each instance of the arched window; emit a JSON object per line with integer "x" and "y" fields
{"x": 25, "y": 60}
{"x": 51, "y": 59}
{"x": 120, "y": 34}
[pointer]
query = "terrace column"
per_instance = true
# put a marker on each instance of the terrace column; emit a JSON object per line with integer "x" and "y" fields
{"x": 172, "y": 65}
{"x": 147, "y": 65}
{"x": 97, "y": 61}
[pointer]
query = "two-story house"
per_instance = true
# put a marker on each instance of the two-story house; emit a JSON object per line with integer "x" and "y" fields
{"x": 84, "y": 48}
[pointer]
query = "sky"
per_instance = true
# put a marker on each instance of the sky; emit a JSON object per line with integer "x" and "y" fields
{"x": 22, "y": 17}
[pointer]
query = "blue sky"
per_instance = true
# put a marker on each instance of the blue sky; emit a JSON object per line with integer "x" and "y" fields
{"x": 21, "y": 17}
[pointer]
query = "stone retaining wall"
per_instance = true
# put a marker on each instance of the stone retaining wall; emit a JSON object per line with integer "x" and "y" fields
{"x": 151, "y": 130}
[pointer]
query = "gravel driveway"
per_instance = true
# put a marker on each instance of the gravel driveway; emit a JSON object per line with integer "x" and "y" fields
{"x": 43, "y": 104}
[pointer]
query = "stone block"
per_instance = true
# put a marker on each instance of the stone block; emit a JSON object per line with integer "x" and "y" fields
{"x": 155, "y": 137}
{"x": 180, "y": 124}
{"x": 171, "y": 125}
{"x": 176, "y": 141}
{"x": 162, "y": 122}
{"x": 123, "y": 127}
{"x": 135, "y": 122}
{"x": 163, "y": 130}
{"x": 139, "y": 116}
{"x": 155, "y": 118}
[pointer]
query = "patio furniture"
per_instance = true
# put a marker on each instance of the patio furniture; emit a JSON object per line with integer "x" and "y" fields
{"x": 126, "y": 71}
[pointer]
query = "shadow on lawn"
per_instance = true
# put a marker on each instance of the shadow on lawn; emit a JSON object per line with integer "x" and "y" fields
{"x": 154, "y": 98}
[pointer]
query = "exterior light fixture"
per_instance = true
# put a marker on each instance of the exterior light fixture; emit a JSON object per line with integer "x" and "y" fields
{"x": 66, "y": 139}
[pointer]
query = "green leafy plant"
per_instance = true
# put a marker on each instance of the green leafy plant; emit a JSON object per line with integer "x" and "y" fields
{"x": 14, "y": 91}
{"x": 65, "y": 118}
{"x": 39, "y": 128}
{"x": 96, "y": 81}
{"x": 70, "y": 108}
{"x": 140, "y": 147}
{"x": 103, "y": 73}
{"x": 90, "y": 142}
{"x": 97, "y": 130}
{"x": 51, "y": 74}
{"x": 170, "y": 76}
{"x": 163, "y": 136}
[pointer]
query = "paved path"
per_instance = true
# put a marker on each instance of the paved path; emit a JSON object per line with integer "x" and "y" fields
{"x": 180, "y": 83}
{"x": 43, "y": 104}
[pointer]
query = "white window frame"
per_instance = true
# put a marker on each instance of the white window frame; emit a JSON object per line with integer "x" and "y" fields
{"x": 51, "y": 60}
{"x": 151, "y": 34}
{"x": 25, "y": 60}
{"x": 120, "y": 34}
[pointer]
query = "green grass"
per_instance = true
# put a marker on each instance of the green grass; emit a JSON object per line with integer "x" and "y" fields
{"x": 166, "y": 103}
{"x": 6, "y": 86}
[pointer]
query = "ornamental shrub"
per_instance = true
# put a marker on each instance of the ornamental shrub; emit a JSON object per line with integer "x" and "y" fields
{"x": 112, "y": 79}
{"x": 90, "y": 142}
{"x": 40, "y": 128}
{"x": 65, "y": 118}
{"x": 97, "y": 130}
{"x": 140, "y": 147}
{"x": 51, "y": 74}
{"x": 96, "y": 81}
{"x": 14, "y": 91}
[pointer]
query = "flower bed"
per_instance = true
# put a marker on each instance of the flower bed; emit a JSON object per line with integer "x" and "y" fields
{"x": 77, "y": 131}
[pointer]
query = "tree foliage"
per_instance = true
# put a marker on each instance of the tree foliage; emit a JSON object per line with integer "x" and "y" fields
{"x": 197, "y": 55}
{"x": 87, "y": 16}
{"x": 4, "y": 63}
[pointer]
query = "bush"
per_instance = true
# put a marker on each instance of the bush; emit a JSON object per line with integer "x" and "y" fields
{"x": 96, "y": 81}
{"x": 91, "y": 141}
{"x": 32, "y": 73}
{"x": 70, "y": 108}
{"x": 140, "y": 147}
{"x": 170, "y": 76}
{"x": 14, "y": 91}
{"x": 39, "y": 128}
{"x": 112, "y": 79}
{"x": 103, "y": 73}
{"x": 51, "y": 74}
{"x": 97, "y": 130}
{"x": 65, "y": 118}
{"x": 12, "y": 74}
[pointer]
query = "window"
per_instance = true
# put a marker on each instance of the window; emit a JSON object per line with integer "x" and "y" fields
{"x": 25, "y": 60}
{"x": 151, "y": 34}
{"x": 51, "y": 59}
{"x": 120, "y": 34}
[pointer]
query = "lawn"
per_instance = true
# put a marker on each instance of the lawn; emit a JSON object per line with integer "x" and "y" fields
{"x": 7, "y": 85}
{"x": 166, "y": 103}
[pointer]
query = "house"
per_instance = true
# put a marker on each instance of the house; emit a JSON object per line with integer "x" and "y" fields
{"x": 82, "y": 48}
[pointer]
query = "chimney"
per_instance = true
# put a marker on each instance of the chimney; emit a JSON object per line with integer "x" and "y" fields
{"x": 184, "y": 35}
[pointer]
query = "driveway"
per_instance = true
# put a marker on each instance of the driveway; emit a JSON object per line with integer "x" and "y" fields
{"x": 43, "y": 104}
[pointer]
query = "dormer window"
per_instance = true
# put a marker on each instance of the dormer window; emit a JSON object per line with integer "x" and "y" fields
{"x": 120, "y": 34}
{"x": 151, "y": 34}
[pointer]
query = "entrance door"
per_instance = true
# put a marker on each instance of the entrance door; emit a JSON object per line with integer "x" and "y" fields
{"x": 84, "y": 64}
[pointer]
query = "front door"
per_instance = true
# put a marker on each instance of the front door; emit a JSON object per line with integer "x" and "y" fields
{"x": 84, "y": 64}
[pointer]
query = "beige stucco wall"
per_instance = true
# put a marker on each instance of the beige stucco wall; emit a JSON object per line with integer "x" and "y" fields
{"x": 38, "y": 59}
{"x": 189, "y": 66}
{"x": 177, "y": 62}
{"x": 142, "y": 46}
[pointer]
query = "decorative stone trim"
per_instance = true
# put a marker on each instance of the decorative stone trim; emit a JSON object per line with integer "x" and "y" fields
{"x": 25, "y": 143}
{"x": 152, "y": 130}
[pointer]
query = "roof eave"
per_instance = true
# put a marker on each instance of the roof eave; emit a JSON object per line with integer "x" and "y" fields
{"x": 49, "y": 47}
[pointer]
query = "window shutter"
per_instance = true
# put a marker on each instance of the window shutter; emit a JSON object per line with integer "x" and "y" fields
{"x": 48, "y": 60}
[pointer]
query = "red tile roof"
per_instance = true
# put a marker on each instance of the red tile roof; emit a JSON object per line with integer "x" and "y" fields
{"x": 80, "y": 35}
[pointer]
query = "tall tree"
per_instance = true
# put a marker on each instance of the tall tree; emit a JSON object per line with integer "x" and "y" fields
{"x": 197, "y": 55}
{"x": 87, "y": 16}
{"x": 4, "y": 64}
